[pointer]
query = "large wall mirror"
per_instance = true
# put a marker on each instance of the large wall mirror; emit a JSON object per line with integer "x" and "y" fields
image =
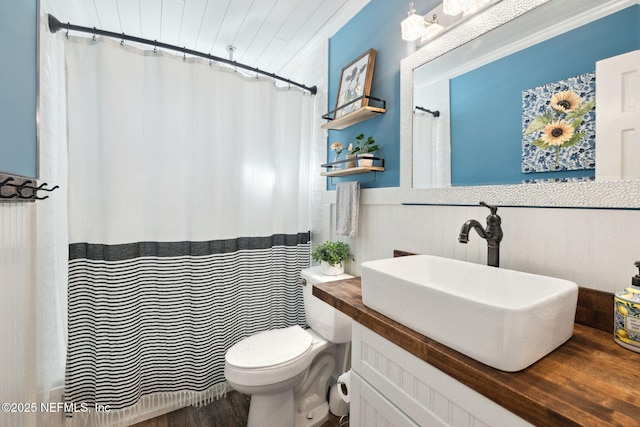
{"x": 18, "y": 91}
{"x": 490, "y": 78}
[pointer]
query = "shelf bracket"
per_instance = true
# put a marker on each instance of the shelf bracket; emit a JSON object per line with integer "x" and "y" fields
{"x": 362, "y": 182}
{"x": 331, "y": 115}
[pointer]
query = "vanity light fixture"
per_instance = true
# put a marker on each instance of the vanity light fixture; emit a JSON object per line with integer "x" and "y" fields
{"x": 412, "y": 26}
{"x": 416, "y": 27}
{"x": 455, "y": 7}
{"x": 433, "y": 28}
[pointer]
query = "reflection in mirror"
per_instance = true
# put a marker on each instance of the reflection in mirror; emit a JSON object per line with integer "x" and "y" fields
{"x": 481, "y": 79}
{"x": 490, "y": 104}
{"x": 19, "y": 89}
{"x": 431, "y": 148}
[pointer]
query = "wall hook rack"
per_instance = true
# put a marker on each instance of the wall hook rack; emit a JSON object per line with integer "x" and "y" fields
{"x": 19, "y": 189}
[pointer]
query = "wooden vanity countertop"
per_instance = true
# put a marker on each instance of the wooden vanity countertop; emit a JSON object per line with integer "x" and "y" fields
{"x": 588, "y": 381}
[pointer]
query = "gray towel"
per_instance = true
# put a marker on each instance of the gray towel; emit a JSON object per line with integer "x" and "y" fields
{"x": 347, "y": 204}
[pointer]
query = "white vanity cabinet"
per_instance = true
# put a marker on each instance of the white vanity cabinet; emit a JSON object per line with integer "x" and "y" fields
{"x": 392, "y": 387}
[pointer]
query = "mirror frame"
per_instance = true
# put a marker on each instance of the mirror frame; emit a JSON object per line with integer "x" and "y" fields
{"x": 612, "y": 195}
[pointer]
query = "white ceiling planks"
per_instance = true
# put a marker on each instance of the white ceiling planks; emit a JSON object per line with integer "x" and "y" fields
{"x": 306, "y": 32}
{"x": 229, "y": 30}
{"x": 266, "y": 34}
{"x": 149, "y": 17}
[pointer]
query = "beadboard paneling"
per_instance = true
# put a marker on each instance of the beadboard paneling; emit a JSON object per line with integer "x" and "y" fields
{"x": 595, "y": 248}
{"x": 17, "y": 380}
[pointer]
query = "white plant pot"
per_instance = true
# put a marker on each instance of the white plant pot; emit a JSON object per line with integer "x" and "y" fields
{"x": 364, "y": 161}
{"x": 331, "y": 270}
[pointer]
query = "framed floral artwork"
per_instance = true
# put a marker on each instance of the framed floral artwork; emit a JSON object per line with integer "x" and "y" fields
{"x": 355, "y": 84}
{"x": 558, "y": 125}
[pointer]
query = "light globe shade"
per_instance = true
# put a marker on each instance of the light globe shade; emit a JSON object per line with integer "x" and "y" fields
{"x": 412, "y": 27}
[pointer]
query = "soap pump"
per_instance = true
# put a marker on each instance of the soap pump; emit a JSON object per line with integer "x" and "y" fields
{"x": 626, "y": 315}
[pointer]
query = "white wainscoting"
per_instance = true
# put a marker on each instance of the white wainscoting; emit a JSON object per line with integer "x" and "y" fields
{"x": 595, "y": 248}
{"x": 17, "y": 319}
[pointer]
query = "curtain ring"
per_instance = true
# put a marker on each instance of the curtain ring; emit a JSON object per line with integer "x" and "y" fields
{"x": 66, "y": 35}
{"x": 155, "y": 47}
{"x": 122, "y": 41}
{"x": 94, "y": 35}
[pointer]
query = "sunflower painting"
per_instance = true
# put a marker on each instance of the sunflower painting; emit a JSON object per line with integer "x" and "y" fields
{"x": 558, "y": 125}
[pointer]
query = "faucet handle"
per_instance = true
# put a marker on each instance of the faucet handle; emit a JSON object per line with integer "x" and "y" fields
{"x": 492, "y": 208}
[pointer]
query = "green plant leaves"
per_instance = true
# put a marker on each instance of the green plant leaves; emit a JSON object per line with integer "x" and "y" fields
{"x": 574, "y": 140}
{"x": 332, "y": 252}
{"x": 539, "y": 123}
{"x": 363, "y": 146}
{"x": 581, "y": 110}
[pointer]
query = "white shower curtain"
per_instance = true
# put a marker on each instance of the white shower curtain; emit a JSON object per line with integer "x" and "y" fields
{"x": 188, "y": 222}
{"x": 431, "y": 151}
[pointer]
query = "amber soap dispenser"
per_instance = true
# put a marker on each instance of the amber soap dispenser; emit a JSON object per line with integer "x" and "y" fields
{"x": 626, "y": 315}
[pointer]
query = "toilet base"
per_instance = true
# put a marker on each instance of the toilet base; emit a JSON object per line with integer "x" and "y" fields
{"x": 272, "y": 410}
{"x": 300, "y": 401}
{"x": 313, "y": 417}
{"x": 276, "y": 410}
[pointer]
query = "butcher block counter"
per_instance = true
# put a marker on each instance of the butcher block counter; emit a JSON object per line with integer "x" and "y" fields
{"x": 588, "y": 381}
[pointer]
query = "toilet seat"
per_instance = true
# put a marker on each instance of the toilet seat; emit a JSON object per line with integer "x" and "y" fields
{"x": 269, "y": 357}
{"x": 270, "y": 348}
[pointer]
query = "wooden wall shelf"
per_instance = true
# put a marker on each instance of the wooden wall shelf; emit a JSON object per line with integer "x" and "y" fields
{"x": 335, "y": 169}
{"x": 353, "y": 171}
{"x": 360, "y": 115}
{"x": 350, "y": 119}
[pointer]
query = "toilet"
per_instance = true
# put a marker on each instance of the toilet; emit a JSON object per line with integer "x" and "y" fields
{"x": 287, "y": 371}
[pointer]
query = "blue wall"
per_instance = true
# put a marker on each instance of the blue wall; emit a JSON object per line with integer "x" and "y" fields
{"x": 486, "y": 103}
{"x": 377, "y": 26}
{"x": 18, "y": 74}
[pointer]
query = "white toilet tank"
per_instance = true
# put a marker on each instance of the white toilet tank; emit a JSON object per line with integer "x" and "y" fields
{"x": 328, "y": 322}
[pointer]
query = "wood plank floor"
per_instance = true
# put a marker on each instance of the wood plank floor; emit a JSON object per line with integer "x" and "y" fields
{"x": 231, "y": 411}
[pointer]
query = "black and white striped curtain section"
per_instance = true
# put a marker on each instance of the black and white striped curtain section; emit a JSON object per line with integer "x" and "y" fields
{"x": 157, "y": 317}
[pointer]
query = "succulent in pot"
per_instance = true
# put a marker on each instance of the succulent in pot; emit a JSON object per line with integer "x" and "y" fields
{"x": 365, "y": 148}
{"x": 332, "y": 256}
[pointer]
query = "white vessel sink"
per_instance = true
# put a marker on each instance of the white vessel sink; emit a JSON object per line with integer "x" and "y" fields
{"x": 503, "y": 318}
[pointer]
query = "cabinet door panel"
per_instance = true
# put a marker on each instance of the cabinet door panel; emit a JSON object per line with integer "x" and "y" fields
{"x": 425, "y": 394}
{"x": 371, "y": 409}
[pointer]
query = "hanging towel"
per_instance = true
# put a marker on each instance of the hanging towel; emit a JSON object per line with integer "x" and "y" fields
{"x": 347, "y": 204}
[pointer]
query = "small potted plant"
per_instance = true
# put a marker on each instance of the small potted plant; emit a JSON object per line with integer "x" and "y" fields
{"x": 332, "y": 256}
{"x": 365, "y": 148}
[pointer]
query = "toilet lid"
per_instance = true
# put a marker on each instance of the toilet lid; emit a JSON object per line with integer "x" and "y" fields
{"x": 269, "y": 348}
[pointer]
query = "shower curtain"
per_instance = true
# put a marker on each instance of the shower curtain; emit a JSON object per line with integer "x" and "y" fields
{"x": 188, "y": 223}
{"x": 431, "y": 147}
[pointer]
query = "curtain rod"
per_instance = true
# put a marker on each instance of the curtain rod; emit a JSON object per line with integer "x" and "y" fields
{"x": 426, "y": 110}
{"x": 55, "y": 25}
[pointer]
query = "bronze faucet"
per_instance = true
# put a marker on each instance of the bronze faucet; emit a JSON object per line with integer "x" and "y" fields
{"x": 492, "y": 234}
